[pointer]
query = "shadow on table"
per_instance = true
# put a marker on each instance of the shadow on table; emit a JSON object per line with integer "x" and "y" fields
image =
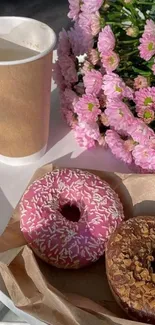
{"x": 96, "y": 158}
{"x": 5, "y": 212}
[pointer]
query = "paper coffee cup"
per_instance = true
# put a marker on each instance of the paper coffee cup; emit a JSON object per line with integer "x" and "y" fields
{"x": 26, "y": 48}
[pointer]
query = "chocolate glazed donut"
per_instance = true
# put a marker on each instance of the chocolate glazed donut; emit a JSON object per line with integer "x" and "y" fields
{"x": 130, "y": 266}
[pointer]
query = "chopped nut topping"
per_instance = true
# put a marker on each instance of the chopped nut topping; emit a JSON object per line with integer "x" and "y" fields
{"x": 132, "y": 252}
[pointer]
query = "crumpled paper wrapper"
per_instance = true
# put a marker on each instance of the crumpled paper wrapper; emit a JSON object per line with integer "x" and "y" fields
{"x": 70, "y": 297}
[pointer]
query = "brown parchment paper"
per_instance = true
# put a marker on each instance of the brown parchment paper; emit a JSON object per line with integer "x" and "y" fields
{"x": 69, "y": 297}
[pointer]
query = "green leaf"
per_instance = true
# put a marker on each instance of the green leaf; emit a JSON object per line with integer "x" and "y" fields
{"x": 142, "y": 72}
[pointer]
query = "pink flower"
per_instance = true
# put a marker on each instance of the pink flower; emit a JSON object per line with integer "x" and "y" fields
{"x": 140, "y": 82}
{"x": 146, "y": 114}
{"x": 145, "y": 98}
{"x": 144, "y": 156}
{"x": 106, "y": 40}
{"x": 129, "y": 144}
{"x": 64, "y": 47}
{"x": 83, "y": 140}
{"x": 93, "y": 56}
{"x": 147, "y": 46}
{"x": 91, "y": 5}
{"x": 117, "y": 146}
{"x": 79, "y": 88}
{"x": 69, "y": 117}
{"x": 119, "y": 115}
{"x": 140, "y": 132}
{"x": 71, "y": 98}
{"x": 67, "y": 107}
{"x": 57, "y": 76}
{"x": 87, "y": 66}
{"x": 81, "y": 41}
{"x": 68, "y": 69}
{"x": 104, "y": 119}
{"x": 110, "y": 61}
{"x": 101, "y": 141}
{"x": 150, "y": 27}
{"x": 87, "y": 108}
{"x": 114, "y": 87}
{"x": 89, "y": 23}
{"x": 95, "y": 23}
{"x": 93, "y": 82}
{"x": 74, "y": 9}
{"x": 84, "y": 22}
{"x": 102, "y": 99}
{"x": 91, "y": 130}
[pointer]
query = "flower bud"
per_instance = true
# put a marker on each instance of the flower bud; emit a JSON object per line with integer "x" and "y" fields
{"x": 132, "y": 31}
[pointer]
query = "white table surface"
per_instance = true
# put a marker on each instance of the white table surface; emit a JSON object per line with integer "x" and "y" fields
{"x": 63, "y": 151}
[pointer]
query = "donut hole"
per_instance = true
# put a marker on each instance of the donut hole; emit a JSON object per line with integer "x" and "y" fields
{"x": 71, "y": 212}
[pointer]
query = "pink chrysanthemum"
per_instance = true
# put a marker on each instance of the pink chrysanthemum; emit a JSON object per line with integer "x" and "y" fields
{"x": 101, "y": 141}
{"x": 102, "y": 99}
{"x": 93, "y": 82}
{"x": 79, "y": 88}
{"x": 140, "y": 82}
{"x": 150, "y": 27}
{"x": 58, "y": 77}
{"x": 114, "y": 87}
{"x": 129, "y": 144}
{"x": 67, "y": 107}
{"x": 89, "y": 23}
{"x": 84, "y": 22}
{"x": 87, "y": 108}
{"x": 147, "y": 46}
{"x": 110, "y": 61}
{"x": 117, "y": 146}
{"x": 144, "y": 156}
{"x": 91, "y": 5}
{"x": 104, "y": 119}
{"x": 69, "y": 117}
{"x": 87, "y": 66}
{"x": 145, "y": 98}
{"x": 93, "y": 56}
{"x": 95, "y": 23}
{"x": 74, "y": 9}
{"x": 147, "y": 115}
{"x": 82, "y": 139}
{"x": 68, "y": 69}
{"x": 91, "y": 130}
{"x": 119, "y": 115}
{"x": 64, "y": 47}
{"x": 71, "y": 98}
{"x": 140, "y": 132}
{"x": 106, "y": 40}
{"x": 81, "y": 41}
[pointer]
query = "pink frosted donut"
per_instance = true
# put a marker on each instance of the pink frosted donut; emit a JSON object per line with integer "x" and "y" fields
{"x": 67, "y": 217}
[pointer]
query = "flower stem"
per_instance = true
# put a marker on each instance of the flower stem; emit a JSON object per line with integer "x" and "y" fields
{"x": 132, "y": 52}
{"x": 129, "y": 41}
{"x": 113, "y": 23}
{"x": 144, "y": 3}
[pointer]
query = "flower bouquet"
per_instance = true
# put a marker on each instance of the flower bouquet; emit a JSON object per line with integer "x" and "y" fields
{"x": 106, "y": 76}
